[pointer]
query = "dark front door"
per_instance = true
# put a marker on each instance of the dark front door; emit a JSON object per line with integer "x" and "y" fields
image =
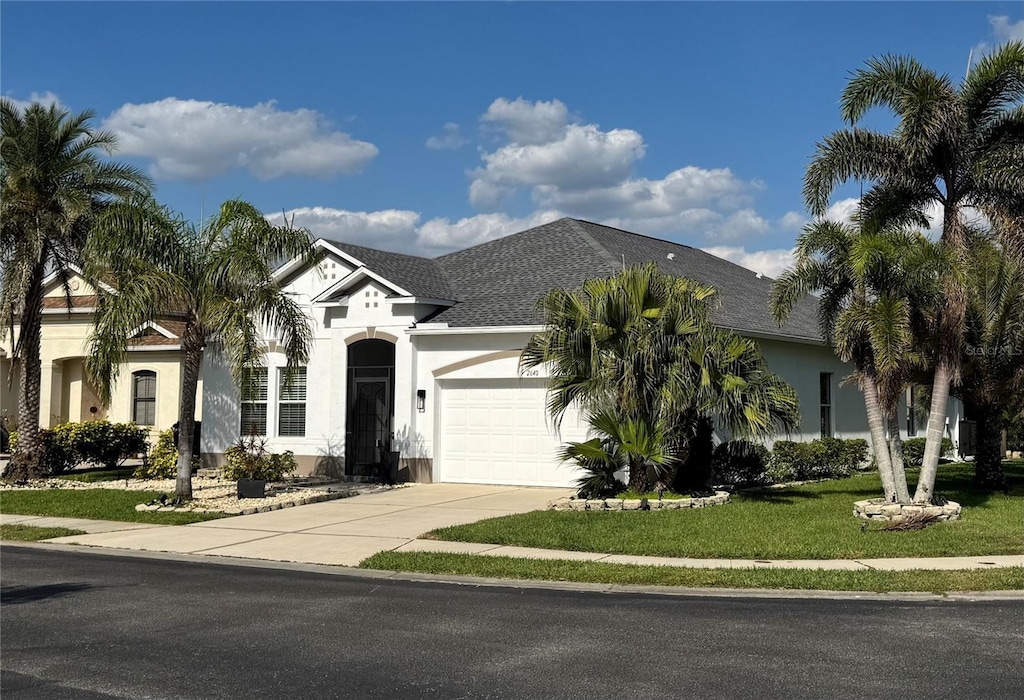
{"x": 371, "y": 425}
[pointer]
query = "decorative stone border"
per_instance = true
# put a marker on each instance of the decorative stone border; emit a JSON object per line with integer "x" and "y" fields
{"x": 880, "y": 509}
{"x": 247, "y": 509}
{"x": 609, "y": 504}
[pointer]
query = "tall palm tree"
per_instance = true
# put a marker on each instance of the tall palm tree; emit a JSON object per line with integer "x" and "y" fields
{"x": 993, "y": 363}
{"x": 877, "y": 299}
{"x": 53, "y": 183}
{"x": 640, "y": 346}
{"x": 954, "y": 147}
{"x": 217, "y": 278}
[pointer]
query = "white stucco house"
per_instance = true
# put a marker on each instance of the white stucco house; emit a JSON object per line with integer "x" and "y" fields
{"x": 420, "y": 356}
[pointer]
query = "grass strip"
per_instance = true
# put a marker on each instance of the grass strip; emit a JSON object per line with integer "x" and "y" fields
{"x": 810, "y": 521}
{"x": 801, "y": 579}
{"x": 28, "y": 533}
{"x": 96, "y": 504}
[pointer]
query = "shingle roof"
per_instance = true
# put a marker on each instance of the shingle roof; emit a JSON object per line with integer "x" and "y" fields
{"x": 499, "y": 283}
{"x": 421, "y": 277}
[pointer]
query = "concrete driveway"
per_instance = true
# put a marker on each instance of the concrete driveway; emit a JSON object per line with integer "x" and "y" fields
{"x": 342, "y": 532}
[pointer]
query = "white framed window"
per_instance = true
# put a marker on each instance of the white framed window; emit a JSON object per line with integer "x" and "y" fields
{"x": 825, "y": 389}
{"x": 254, "y": 402}
{"x": 144, "y": 397}
{"x": 291, "y": 402}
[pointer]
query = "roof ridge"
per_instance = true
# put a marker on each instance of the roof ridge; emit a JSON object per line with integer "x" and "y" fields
{"x": 578, "y": 227}
{"x": 378, "y": 250}
{"x": 644, "y": 235}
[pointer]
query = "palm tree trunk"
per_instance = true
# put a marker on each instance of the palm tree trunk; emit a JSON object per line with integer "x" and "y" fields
{"x": 936, "y": 429}
{"x": 638, "y": 482}
{"x": 27, "y": 463}
{"x": 988, "y": 461}
{"x": 186, "y": 417}
{"x": 879, "y": 444}
{"x": 899, "y": 472}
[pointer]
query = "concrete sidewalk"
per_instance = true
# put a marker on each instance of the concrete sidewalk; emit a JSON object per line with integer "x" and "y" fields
{"x": 346, "y": 531}
{"x": 83, "y": 524}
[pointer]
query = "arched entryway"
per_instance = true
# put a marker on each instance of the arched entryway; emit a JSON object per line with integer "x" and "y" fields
{"x": 371, "y": 405}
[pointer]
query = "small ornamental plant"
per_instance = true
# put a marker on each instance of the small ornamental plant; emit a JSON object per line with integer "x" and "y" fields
{"x": 249, "y": 458}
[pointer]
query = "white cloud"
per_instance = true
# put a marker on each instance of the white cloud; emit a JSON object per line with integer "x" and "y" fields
{"x": 45, "y": 98}
{"x": 843, "y": 211}
{"x": 1002, "y": 31}
{"x": 1005, "y": 31}
{"x": 191, "y": 139}
{"x": 526, "y": 122}
{"x": 399, "y": 230}
{"x": 792, "y": 221}
{"x": 442, "y": 234}
{"x": 771, "y": 263}
{"x": 582, "y": 157}
{"x": 393, "y": 229}
{"x": 448, "y": 140}
{"x": 587, "y": 172}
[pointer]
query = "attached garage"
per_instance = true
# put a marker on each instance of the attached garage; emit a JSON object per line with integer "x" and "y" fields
{"x": 496, "y": 431}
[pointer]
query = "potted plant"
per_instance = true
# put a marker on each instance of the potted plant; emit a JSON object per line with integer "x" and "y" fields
{"x": 252, "y": 465}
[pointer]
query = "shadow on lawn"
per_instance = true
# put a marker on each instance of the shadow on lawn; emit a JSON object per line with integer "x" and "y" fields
{"x": 13, "y": 595}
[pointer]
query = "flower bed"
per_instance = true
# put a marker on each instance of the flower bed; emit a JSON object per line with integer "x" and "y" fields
{"x": 880, "y": 509}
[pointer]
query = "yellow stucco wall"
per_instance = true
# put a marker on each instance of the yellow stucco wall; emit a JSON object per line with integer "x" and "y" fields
{"x": 66, "y": 393}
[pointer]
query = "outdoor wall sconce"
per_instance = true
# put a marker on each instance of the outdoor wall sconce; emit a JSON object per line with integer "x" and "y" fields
{"x": 421, "y": 400}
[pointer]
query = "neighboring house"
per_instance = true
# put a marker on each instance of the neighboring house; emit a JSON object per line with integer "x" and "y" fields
{"x": 420, "y": 357}
{"x": 147, "y": 390}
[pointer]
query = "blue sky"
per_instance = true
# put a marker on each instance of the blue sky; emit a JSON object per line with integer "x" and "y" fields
{"x": 428, "y": 127}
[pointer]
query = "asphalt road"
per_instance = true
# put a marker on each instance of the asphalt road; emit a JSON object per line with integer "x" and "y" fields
{"x": 90, "y": 626}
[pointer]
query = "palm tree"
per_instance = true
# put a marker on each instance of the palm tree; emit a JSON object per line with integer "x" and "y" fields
{"x": 954, "y": 147}
{"x": 877, "y": 298}
{"x": 993, "y": 369}
{"x": 640, "y": 346}
{"x": 218, "y": 279}
{"x": 53, "y": 183}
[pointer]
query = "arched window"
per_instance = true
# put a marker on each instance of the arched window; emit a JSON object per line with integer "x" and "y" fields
{"x": 144, "y": 397}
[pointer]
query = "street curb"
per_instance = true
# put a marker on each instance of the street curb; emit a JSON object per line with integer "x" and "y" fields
{"x": 567, "y": 586}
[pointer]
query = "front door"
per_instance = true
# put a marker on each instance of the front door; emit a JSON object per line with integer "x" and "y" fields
{"x": 370, "y": 425}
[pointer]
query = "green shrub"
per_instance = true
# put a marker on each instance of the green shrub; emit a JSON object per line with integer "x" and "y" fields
{"x": 249, "y": 458}
{"x": 740, "y": 462}
{"x": 103, "y": 443}
{"x": 913, "y": 450}
{"x": 58, "y": 453}
{"x": 162, "y": 462}
{"x": 100, "y": 443}
{"x": 826, "y": 458}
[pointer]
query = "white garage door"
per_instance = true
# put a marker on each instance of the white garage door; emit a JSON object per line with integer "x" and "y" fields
{"x": 496, "y": 431}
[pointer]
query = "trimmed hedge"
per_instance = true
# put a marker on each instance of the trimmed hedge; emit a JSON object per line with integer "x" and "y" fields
{"x": 99, "y": 443}
{"x": 826, "y": 458}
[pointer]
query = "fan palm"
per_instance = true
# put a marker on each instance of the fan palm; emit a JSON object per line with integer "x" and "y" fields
{"x": 216, "y": 278}
{"x": 641, "y": 346}
{"x": 54, "y": 183}
{"x": 954, "y": 147}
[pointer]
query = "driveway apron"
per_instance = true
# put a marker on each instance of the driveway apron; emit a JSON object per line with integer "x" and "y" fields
{"x": 342, "y": 532}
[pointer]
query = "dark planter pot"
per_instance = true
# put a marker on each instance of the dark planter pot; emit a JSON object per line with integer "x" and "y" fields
{"x": 252, "y": 488}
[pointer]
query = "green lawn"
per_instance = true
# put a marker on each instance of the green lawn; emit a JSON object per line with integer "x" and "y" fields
{"x": 813, "y": 521}
{"x": 803, "y": 579}
{"x": 97, "y": 504}
{"x": 27, "y": 533}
